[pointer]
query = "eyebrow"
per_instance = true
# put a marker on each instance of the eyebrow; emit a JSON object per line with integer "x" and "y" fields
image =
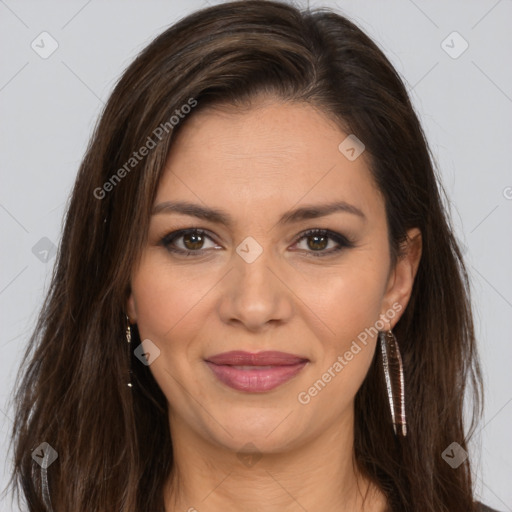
{"x": 221, "y": 217}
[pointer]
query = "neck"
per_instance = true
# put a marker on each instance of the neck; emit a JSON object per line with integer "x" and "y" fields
{"x": 318, "y": 475}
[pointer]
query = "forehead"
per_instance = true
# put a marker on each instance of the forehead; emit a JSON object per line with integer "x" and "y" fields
{"x": 267, "y": 158}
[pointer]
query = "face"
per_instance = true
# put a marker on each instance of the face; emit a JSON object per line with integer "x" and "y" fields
{"x": 256, "y": 279}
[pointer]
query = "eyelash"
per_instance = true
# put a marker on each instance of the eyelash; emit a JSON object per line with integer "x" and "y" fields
{"x": 342, "y": 241}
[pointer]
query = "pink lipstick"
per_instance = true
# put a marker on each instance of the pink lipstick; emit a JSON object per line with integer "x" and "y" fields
{"x": 255, "y": 372}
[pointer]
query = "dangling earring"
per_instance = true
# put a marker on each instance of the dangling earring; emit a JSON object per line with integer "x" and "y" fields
{"x": 129, "y": 341}
{"x": 394, "y": 375}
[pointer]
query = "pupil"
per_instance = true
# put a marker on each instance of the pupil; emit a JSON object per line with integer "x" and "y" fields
{"x": 316, "y": 238}
{"x": 196, "y": 241}
{"x": 196, "y": 244}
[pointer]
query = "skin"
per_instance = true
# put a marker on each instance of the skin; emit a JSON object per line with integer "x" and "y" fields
{"x": 257, "y": 164}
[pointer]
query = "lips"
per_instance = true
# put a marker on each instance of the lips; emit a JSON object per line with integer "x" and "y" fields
{"x": 270, "y": 358}
{"x": 255, "y": 372}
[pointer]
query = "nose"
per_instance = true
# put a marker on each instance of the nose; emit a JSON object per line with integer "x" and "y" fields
{"x": 256, "y": 294}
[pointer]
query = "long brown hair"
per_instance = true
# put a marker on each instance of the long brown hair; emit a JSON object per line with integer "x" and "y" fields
{"x": 113, "y": 442}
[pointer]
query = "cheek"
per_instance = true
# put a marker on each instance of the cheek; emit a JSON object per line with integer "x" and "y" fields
{"x": 170, "y": 312}
{"x": 359, "y": 302}
{"x": 166, "y": 299}
{"x": 350, "y": 308}
{"x": 348, "y": 298}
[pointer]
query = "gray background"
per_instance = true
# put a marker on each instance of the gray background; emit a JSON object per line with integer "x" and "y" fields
{"x": 49, "y": 106}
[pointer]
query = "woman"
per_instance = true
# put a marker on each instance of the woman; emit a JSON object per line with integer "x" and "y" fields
{"x": 259, "y": 302}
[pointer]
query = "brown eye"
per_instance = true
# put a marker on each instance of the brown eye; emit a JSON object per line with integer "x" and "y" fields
{"x": 192, "y": 241}
{"x": 317, "y": 240}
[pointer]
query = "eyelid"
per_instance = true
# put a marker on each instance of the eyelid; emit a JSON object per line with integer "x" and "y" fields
{"x": 343, "y": 241}
{"x": 167, "y": 239}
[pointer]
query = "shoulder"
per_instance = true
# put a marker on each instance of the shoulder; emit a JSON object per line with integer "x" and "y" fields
{"x": 484, "y": 508}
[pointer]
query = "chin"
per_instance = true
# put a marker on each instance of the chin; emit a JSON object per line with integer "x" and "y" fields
{"x": 263, "y": 430}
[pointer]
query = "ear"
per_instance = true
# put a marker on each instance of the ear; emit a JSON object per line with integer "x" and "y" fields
{"x": 131, "y": 310}
{"x": 401, "y": 278}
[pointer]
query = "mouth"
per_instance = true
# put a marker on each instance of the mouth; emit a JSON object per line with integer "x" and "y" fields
{"x": 255, "y": 372}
